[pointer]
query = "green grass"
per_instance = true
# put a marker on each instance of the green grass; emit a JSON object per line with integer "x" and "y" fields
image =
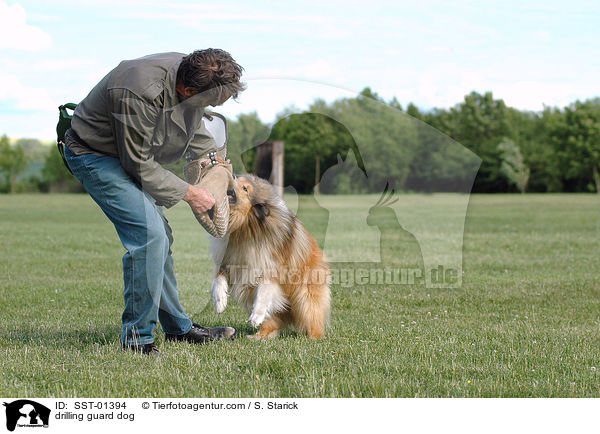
{"x": 526, "y": 321}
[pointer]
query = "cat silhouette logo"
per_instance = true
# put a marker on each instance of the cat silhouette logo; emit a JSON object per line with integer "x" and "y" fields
{"x": 26, "y": 413}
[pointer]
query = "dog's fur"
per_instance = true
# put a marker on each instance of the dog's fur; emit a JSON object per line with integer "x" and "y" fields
{"x": 270, "y": 263}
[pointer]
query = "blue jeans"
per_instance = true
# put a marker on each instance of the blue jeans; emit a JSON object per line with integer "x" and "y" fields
{"x": 150, "y": 286}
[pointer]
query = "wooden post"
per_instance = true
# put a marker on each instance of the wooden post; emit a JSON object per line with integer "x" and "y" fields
{"x": 277, "y": 169}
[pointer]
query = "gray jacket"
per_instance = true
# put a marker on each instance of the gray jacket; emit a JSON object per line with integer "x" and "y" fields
{"x": 135, "y": 114}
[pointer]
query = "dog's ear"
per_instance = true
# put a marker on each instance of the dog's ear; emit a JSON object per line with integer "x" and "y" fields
{"x": 261, "y": 210}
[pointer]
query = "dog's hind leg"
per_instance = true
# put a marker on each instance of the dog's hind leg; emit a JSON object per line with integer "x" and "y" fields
{"x": 271, "y": 327}
{"x": 268, "y": 300}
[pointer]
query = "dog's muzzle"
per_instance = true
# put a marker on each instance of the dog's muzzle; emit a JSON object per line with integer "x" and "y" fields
{"x": 231, "y": 196}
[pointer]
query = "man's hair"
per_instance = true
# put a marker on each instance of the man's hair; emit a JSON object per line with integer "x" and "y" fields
{"x": 212, "y": 72}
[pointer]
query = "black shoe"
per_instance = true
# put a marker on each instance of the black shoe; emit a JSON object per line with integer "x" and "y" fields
{"x": 146, "y": 349}
{"x": 201, "y": 335}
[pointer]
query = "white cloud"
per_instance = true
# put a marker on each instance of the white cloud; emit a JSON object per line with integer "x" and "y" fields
{"x": 445, "y": 85}
{"x": 24, "y": 97}
{"x": 62, "y": 64}
{"x": 320, "y": 70}
{"x": 532, "y": 95}
{"x": 39, "y": 125}
{"x": 541, "y": 36}
{"x": 15, "y": 33}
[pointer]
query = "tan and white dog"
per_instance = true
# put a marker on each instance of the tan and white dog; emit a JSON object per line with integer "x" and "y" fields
{"x": 270, "y": 263}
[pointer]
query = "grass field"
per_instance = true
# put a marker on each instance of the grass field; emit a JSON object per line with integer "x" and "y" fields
{"x": 526, "y": 321}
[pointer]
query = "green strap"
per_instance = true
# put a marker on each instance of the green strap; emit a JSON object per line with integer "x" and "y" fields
{"x": 64, "y": 123}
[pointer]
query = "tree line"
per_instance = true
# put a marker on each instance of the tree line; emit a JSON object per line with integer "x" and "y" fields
{"x": 555, "y": 150}
{"x": 510, "y": 150}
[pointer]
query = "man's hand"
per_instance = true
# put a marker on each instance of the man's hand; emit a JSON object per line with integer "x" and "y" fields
{"x": 199, "y": 199}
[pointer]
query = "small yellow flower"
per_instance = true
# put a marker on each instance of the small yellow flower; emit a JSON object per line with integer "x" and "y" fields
{"x": 468, "y": 381}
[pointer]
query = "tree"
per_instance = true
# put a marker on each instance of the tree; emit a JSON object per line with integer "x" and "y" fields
{"x": 413, "y": 110}
{"x": 478, "y": 123}
{"x": 531, "y": 130}
{"x": 56, "y": 176}
{"x": 395, "y": 104}
{"x": 440, "y": 163}
{"x": 513, "y": 166}
{"x": 386, "y": 138}
{"x": 245, "y": 133}
{"x": 34, "y": 149}
{"x": 12, "y": 162}
{"x": 577, "y": 139}
{"x": 311, "y": 142}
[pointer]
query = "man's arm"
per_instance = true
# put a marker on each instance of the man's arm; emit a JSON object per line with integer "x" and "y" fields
{"x": 133, "y": 122}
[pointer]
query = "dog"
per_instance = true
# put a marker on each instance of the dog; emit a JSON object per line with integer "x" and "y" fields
{"x": 270, "y": 263}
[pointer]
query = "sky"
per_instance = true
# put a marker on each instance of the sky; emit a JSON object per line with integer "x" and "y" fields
{"x": 530, "y": 53}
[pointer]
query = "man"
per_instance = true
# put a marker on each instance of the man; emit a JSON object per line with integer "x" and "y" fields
{"x": 145, "y": 113}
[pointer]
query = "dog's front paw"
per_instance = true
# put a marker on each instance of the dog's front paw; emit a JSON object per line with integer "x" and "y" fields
{"x": 256, "y": 318}
{"x": 219, "y": 293}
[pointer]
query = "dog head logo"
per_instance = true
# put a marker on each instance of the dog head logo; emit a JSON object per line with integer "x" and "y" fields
{"x": 26, "y": 413}
{"x": 418, "y": 229}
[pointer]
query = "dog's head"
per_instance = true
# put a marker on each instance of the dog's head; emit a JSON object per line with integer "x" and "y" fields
{"x": 251, "y": 203}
